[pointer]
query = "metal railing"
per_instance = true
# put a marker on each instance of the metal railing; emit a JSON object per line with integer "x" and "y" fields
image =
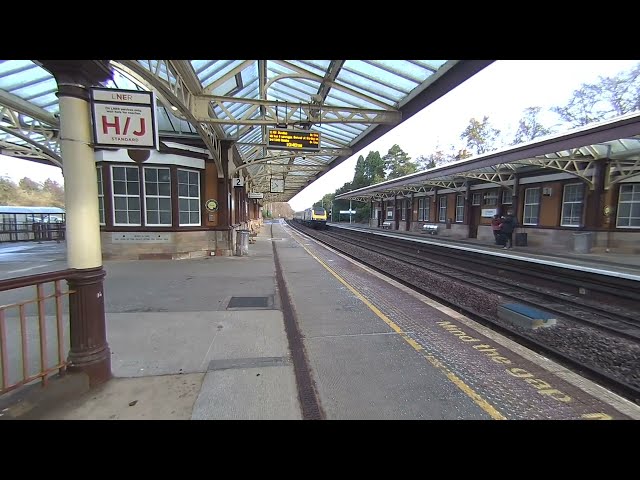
{"x": 19, "y": 363}
{"x": 27, "y": 231}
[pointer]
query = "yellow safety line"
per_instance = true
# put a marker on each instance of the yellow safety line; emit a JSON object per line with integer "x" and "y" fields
{"x": 481, "y": 402}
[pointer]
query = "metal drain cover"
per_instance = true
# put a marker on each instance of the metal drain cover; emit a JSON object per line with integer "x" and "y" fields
{"x": 248, "y": 302}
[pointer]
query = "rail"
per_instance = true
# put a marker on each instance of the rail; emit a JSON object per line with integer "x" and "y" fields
{"x": 16, "y": 366}
{"x": 12, "y": 231}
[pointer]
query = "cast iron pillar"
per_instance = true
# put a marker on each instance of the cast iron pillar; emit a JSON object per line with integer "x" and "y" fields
{"x": 89, "y": 352}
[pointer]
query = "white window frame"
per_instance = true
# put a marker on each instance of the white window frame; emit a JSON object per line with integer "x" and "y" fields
{"x": 403, "y": 212}
{"x": 101, "y": 213}
{"x": 389, "y": 213}
{"x": 635, "y": 193}
{"x": 529, "y": 206}
{"x": 490, "y": 199}
{"x": 197, "y": 172}
{"x": 424, "y": 209}
{"x": 126, "y": 196}
{"x": 442, "y": 208}
{"x": 459, "y": 208}
{"x": 563, "y": 221}
{"x": 158, "y": 197}
{"x": 476, "y": 198}
{"x": 508, "y": 200}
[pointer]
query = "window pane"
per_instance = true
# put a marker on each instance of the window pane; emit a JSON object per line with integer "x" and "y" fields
{"x": 165, "y": 189}
{"x": 150, "y": 174}
{"x": 165, "y": 218}
{"x": 132, "y": 174}
{"x": 152, "y": 217}
{"x": 193, "y": 190}
{"x": 134, "y": 217}
{"x": 184, "y": 218}
{"x": 133, "y": 188}
{"x": 119, "y": 188}
{"x": 151, "y": 188}
{"x": 183, "y": 190}
{"x": 164, "y": 175}
{"x": 165, "y": 204}
{"x": 195, "y": 218}
{"x": 193, "y": 205}
{"x": 118, "y": 173}
{"x": 134, "y": 203}
{"x": 152, "y": 204}
{"x": 183, "y": 205}
{"x": 624, "y": 210}
{"x": 120, "y": 203}
{"x": 121, "y": 216}
{"x": 193, "y": 178}
{"x": 182, "y": 176}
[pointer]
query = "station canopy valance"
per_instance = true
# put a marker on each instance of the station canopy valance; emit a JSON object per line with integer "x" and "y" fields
{"x": 575, "y": 152}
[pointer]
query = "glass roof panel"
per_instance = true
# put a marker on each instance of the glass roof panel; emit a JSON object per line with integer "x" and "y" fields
{"x": 341, "y": 99}
{"x": 218, "y": 69}
{"x": 370, "y": 84}
{"x": 318, "y": 67}
{"x": 35, "y": 90}
{"x": 13, "y": 67}
{"x": 379, "y": 71}
{"x": 404, "y": 69}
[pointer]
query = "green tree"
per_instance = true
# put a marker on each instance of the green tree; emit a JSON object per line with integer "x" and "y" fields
{"x": 606, "y": 98}
{"x": 433, "y": 160}
{"x": 374, "y": 168}
{"x": 425, "y": 163}
{"x": 480, "y": 137}
{"x": 8, "y": 191}
{"x": 54, "y": 191}
{"x": 28, "y": 185}
{"x": 530, "y": 127}
{"x": 398, "y": 163}
{"x": 360, "y": 176}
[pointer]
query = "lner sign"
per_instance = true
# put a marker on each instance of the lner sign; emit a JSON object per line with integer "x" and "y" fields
{"x": 124, "y": 118}
{"x": 292, "y": 139}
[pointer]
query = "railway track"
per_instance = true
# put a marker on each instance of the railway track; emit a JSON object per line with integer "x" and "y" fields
{"x": 602, "y": 323}
{"x": 621, "y": 320}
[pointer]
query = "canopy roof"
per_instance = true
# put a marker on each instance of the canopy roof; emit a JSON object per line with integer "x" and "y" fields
{"x": 349, "y": 103}
{"x": 575, "y": 152}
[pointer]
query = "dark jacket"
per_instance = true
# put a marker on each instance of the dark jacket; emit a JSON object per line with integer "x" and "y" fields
{"x": 509, "y": 223}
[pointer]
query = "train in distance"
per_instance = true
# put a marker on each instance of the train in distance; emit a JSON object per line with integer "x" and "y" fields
{"x": 315, "y": 217}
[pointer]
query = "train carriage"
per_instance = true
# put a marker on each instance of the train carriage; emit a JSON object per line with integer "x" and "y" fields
{"x": 315, "y": 217}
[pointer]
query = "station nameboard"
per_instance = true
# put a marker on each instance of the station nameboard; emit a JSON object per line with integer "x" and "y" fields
{"x": 124, "y": 118}
{"x": 283, "y": 139}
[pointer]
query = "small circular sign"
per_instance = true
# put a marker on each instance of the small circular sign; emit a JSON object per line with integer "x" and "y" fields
{"x": 139, "y": 156}
{"x": 211, "y": 205}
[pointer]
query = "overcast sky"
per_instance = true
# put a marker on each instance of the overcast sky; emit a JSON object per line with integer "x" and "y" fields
{"x": 501, "y": 91}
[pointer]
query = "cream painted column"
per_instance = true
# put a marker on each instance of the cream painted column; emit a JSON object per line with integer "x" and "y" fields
{"x": 84, "y": 249}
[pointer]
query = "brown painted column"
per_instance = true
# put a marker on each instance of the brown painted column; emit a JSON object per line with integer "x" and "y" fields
{"x": 396, "y": 214}
{"x": 594, "y": 199}
{"x": 89, "y": 352}
{"x": 515, "y": 204}
{"x": 224, "y": 185}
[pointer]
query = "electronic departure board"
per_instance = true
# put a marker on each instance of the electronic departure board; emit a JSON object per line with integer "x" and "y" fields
{"x": 292, "y": 139}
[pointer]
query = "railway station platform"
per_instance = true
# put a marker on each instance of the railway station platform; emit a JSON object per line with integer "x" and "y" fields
{"x": 297, "y": 331}
{"x": 625, "y": 263}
